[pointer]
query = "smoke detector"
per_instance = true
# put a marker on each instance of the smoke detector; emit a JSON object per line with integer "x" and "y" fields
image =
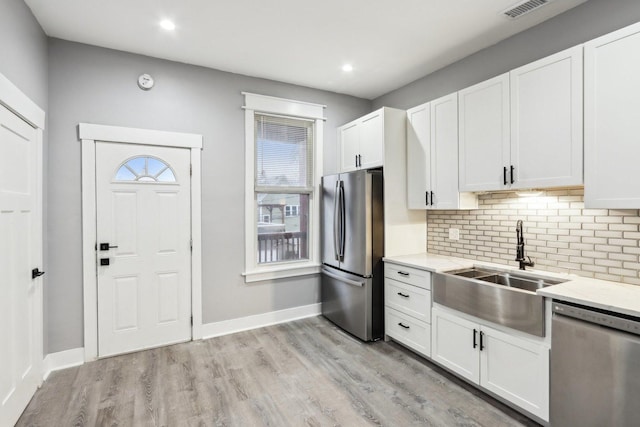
{"x": 524, "y": 7}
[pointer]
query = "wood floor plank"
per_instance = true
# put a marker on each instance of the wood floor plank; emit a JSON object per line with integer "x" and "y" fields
{"x": 302, "y": 373}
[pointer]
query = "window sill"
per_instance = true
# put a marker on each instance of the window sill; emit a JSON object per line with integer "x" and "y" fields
{"x": 280, "y": 272}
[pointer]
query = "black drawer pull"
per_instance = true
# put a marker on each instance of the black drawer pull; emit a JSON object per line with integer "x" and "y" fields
{"x": 504, "y": 175}
{"x": 512, "y": 180}
{"x": 404, "y": 326}
{"x": 481, "y": 340}
{"x": 475, "y": 337}
{"x": 403, "y": 295}
{"x": 403, "y": 273}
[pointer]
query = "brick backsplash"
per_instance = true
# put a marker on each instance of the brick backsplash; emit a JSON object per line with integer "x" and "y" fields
{"x": 560, "y": 234}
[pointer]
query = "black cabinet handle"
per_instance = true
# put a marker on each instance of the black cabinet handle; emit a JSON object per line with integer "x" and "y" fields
{"x": 481, "y": 340}
{"x": 403, "y": 295}
{"x": 404, "y": 326}
{"x": 356, "y": 160}
{"x": 432, "y": 198}
{"x": 512, "y": 180}
{"x": 504, "y": 175}
{"x": 475, "y": 337}
{"x": 426, "y": 198}
{"x": 402, "y": 273}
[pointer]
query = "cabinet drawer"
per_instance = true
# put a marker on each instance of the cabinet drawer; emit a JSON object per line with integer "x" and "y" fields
{"x": 411, "y": 300}
{"x": 408, "y": 331}
{"x": 409, "y": 275}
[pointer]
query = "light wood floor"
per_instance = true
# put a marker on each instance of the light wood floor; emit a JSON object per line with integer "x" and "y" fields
{"x": 302, "y": 373}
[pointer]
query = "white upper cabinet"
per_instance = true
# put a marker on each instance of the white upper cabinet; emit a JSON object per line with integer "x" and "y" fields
{"x": 523, "y": 129}
{"x": 484, "y": 135}
{"x": 372, "y": 140}
{"x": 432, "y": 156}
{"x": 612, "y": 120}
{"x": 546, "y": 121}
{"x": 349, "y": 137}
{"x": 361, "y": 142}
{"x": 418, "y": 156}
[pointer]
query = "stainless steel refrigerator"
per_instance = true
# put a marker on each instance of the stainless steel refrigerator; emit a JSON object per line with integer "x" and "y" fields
{"x": 352, "y": 290}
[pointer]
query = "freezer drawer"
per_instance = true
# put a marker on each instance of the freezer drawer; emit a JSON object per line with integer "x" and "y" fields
{"x": 353, "y": 303}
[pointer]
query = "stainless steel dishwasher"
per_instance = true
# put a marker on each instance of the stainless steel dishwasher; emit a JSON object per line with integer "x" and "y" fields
{"x": 595, "y": 367}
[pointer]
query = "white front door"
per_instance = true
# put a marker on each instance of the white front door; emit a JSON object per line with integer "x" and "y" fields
{"x": 143, "y": 202}
{"x": 20, "y": 252}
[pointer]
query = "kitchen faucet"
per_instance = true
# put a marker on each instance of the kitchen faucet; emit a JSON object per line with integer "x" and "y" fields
{"x": 520, "y": 248}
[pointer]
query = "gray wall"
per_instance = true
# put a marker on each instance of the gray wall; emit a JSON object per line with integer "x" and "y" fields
{"x": 96, "y": 85}
{"x": 585, "y": 22}
{"x": 23, "y": 50}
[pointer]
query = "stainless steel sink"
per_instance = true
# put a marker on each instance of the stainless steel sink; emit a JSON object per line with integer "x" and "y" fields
{"x": 503, "y": 297}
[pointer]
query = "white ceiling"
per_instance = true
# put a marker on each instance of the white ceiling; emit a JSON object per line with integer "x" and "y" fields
{"x": 389, "y": 42}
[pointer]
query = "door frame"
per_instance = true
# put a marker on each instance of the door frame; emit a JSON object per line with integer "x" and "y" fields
{"x": 89, "y": 135}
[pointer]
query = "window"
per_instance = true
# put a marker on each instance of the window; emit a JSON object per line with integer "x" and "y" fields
{"x": 283, "y": 172}
{"x": 291, "y": 210}
{"x": 145, "y": 169}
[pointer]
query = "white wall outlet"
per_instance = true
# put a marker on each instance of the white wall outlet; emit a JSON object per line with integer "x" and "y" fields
{"x": 454, "y": 233}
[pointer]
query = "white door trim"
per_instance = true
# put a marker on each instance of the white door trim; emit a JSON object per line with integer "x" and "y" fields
{"x": 15, "y": 100}
{"x": 89, "y": 134}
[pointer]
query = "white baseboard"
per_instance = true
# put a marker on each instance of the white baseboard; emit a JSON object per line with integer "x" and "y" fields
{"x": 210, "y": 330}
{"x": 62, "y": 360}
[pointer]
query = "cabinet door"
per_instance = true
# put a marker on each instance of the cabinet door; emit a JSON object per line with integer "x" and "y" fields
{"x": 348, "y": 146}
{"x": 452, "y": 344}
{"x": 546, "y": 121}
{"x": 612, "y": 120}
{"x": 517, "y": 370}
{"x": 484, "y": 135}
{"x": 372, "y": 140}
{"x": 419, "y": 156}
{"x": 444, "y": 152}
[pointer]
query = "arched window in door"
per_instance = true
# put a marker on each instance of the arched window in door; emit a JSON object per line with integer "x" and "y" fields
{"x": 145, "y": 169}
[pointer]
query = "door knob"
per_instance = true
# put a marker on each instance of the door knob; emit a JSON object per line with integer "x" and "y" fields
{"x": 106, "y": 246}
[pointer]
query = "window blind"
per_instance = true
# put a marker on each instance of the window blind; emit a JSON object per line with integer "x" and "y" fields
{"x": 283, "y": 153}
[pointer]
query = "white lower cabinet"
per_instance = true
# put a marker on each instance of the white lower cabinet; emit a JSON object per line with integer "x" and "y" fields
{"x": 407, "y": 296}
{"x": 512, "y": 367}
{"x": 408, "y": 331}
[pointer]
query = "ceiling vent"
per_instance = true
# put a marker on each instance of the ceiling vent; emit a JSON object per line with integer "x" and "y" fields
{"x": 524, "y": 7}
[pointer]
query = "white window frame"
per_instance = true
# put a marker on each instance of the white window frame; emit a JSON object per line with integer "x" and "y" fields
{"x": 254, "y": 103}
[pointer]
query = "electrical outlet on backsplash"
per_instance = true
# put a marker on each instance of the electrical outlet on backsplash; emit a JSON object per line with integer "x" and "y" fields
{"x": 560, "y": 234}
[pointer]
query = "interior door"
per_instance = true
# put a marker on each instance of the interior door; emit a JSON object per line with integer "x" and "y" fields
{"x": 143, "y": 253}
{"x": 20, "y": 252}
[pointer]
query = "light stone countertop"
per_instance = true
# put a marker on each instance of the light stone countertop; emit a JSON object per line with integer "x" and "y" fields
{"x": 612, "y": 296}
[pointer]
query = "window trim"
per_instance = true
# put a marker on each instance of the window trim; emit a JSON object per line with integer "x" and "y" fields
{"x": 296, "y": 109}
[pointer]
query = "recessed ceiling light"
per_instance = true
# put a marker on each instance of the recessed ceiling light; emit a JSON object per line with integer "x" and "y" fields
{"x": 347, "y": 68}
{"x": 167, "y": 25}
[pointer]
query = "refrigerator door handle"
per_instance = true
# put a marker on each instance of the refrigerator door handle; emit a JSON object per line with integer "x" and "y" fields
{"x": 336, "y": 243}
{"x": 343, "y": 228}
{"x": 342, "y": 279}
